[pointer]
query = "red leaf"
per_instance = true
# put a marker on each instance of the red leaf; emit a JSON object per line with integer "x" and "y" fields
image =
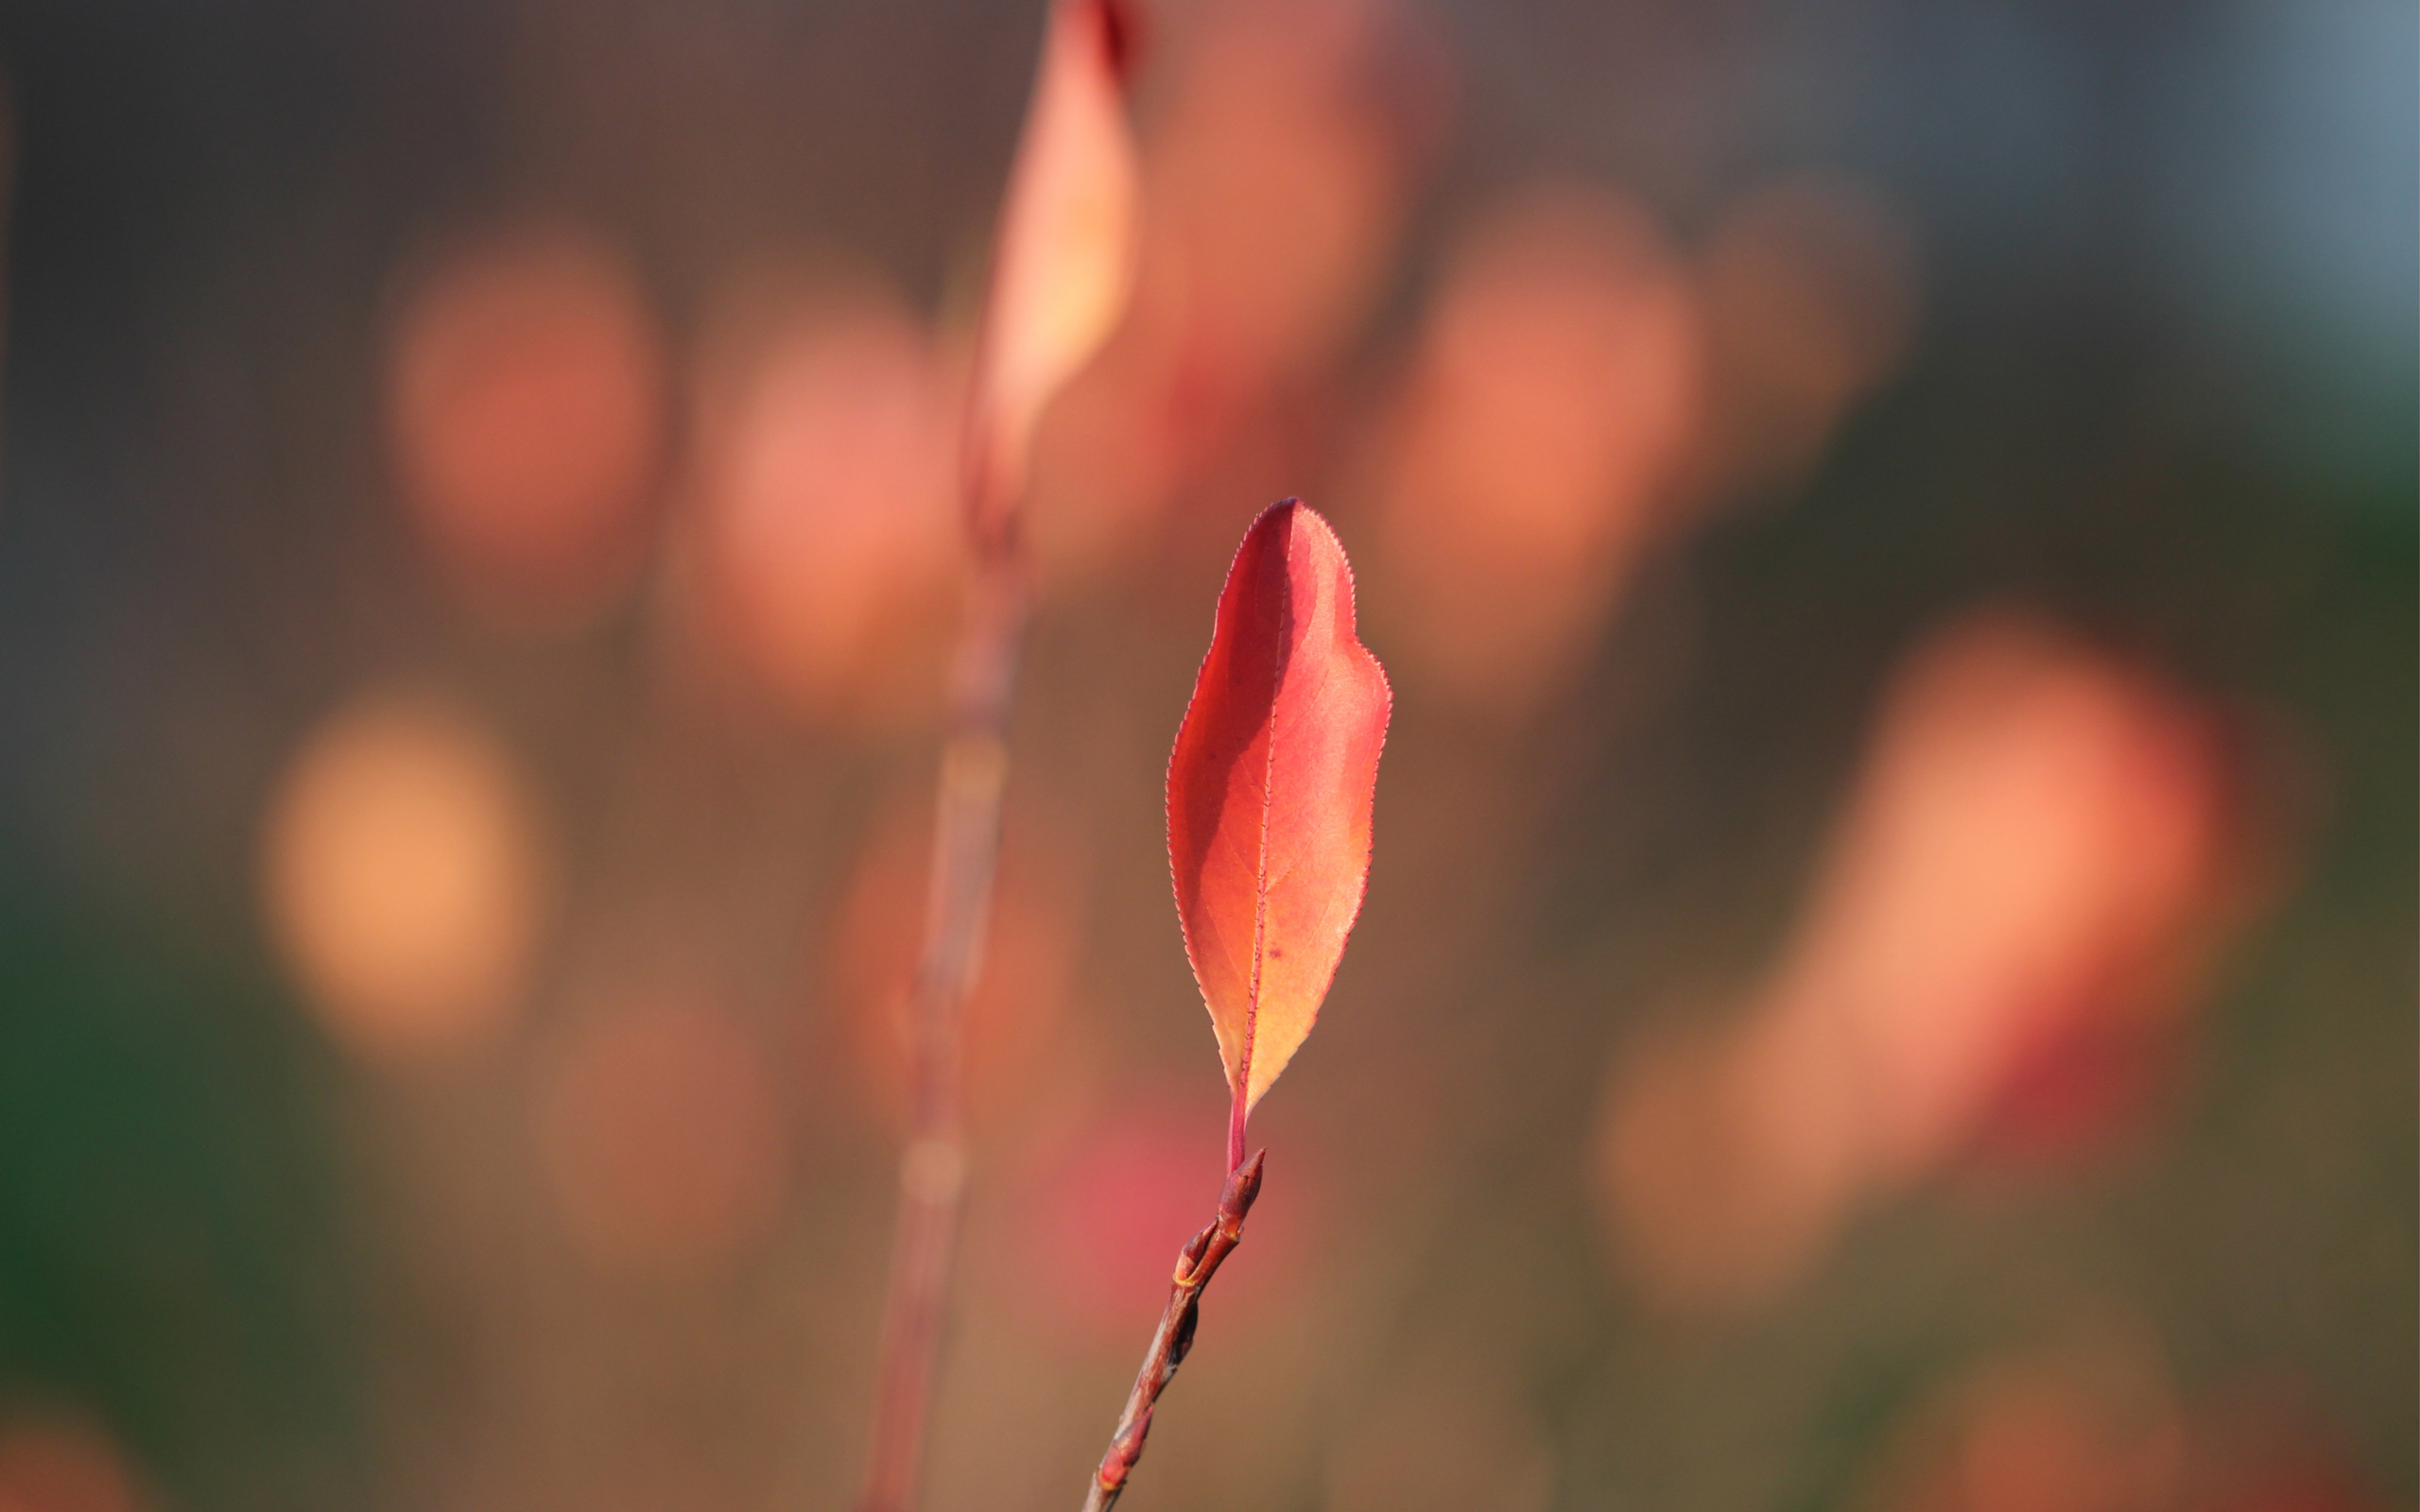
{"x": 1268, "y": 796}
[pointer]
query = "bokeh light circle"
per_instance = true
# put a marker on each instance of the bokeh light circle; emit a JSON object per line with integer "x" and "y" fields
{"x": 526, "y": 395}
{"x": 404, "y": 878}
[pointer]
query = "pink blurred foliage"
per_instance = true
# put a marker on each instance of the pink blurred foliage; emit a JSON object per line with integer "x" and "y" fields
{"x": 527, "y": 414}
{"x": 1581, "y": 390}
{"x": 1105, "y": 1201}
{"x": 1555, "y": 388}
{"x": 2000, "y": 957}
{"x": 2020, "y": 886}
{"x": 827, "y": 550}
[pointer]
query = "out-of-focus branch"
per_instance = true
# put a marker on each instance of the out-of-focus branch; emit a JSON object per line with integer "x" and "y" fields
{"x": 1061, "y": 275}
{"x": 1195, "y": 1266}
{"x": 932, "y": 1171}
{"x": 957, "y": 909}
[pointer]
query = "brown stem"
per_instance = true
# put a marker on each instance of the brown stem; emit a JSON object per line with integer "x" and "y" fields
{"x": 966, "y": 841}
{"x": 1198, "y": 1261}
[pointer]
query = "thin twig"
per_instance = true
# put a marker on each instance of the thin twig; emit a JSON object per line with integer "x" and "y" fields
{"x": 1198, "y": 1261}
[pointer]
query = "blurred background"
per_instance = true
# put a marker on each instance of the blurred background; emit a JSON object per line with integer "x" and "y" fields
{"x": 1887, "y": 980}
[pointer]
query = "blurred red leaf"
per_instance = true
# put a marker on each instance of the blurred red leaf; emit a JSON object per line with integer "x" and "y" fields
{"x": 1065, "y": 259}
{"x": 1270, "y": 793}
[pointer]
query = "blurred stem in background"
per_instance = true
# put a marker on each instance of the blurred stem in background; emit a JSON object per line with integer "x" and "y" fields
{"x": 1061, "y": 270}
{"x": 932, "y": 1171}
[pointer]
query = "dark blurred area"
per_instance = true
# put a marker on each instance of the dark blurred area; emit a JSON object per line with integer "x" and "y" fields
{"x": 1887, "y": 980}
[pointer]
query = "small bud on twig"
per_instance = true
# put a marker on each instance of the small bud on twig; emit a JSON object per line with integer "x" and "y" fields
{"x": 1199, "y": 1261}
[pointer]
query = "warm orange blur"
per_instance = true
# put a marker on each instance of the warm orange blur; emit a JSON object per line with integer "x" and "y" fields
{"x": 1557, "y": 387}
{"x": 2005, "y": 940}
{"x": 829, "y": 539}
{"x": 405, "y": 879}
